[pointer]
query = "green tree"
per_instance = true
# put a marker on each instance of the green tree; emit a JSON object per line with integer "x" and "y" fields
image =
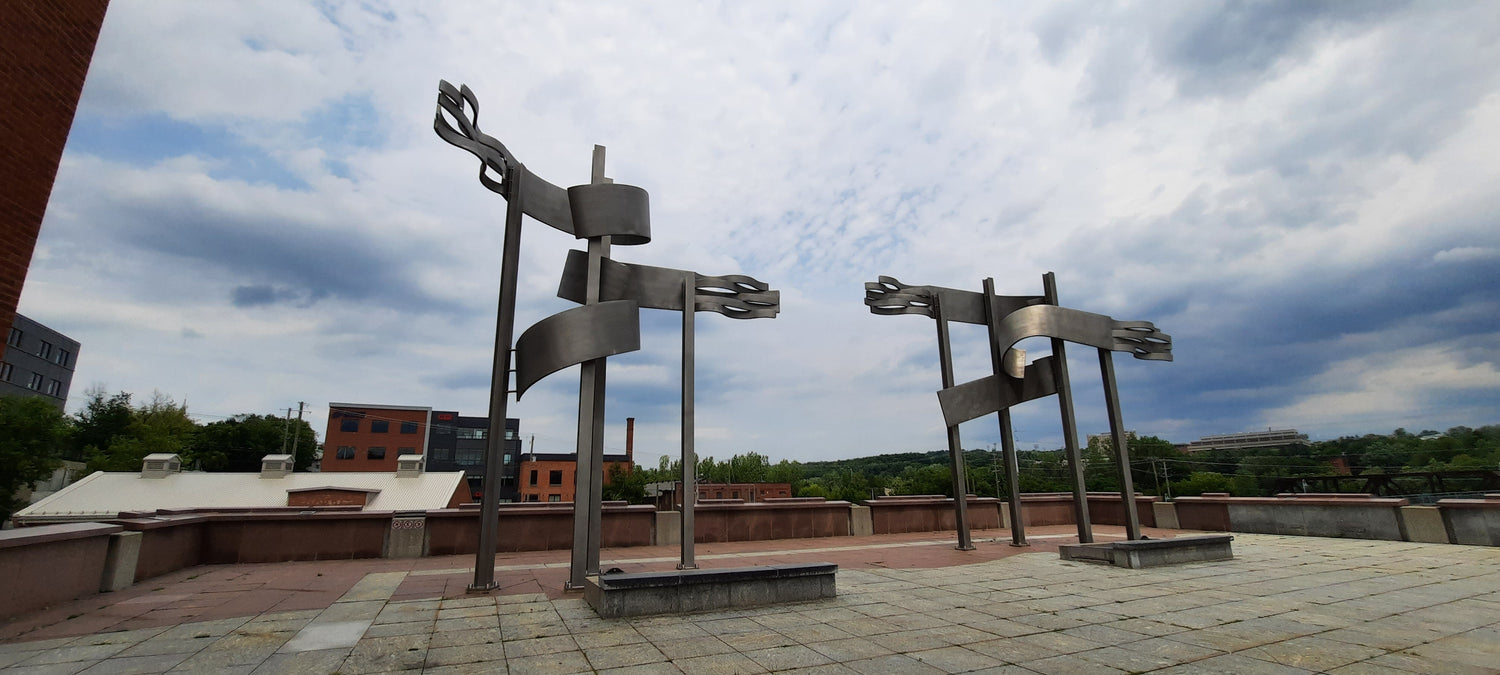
{"x": 240, "y": 442}
{"x": 32, "y": 433}
{"x": 786, "y": 471}
{"x": 161, "y": 425}
{"x": 624, "y": 486}
{"x": 100, "y": 422}
{"x": 1200, "y": 482}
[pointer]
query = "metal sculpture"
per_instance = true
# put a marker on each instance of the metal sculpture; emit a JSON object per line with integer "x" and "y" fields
{"x": 1009, "y": 320}
{"x": 735, "y": 296}
{"x": 606, "y": 324}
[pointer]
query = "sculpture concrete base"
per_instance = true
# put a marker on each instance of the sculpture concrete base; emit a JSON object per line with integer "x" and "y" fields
{"x": 1152, "y": 552}
{"x": 680, "y": 592}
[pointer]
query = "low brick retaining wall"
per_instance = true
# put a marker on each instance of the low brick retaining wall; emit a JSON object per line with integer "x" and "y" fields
{"x": 930, "y": 513}
{"x": 43, "y": 565}
{"x": 1349, "y": 516}
{"x": 773, "y": 519}
{"x": 1056, "y": 508}
{"x": 683, "y": 591}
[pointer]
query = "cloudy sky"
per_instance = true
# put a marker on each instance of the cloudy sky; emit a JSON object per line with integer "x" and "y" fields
{"x": 253, "y": 209}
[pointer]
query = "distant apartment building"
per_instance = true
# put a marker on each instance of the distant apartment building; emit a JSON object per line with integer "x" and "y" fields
{"x": 37, "y": 361}
{"x": 548, "y": 477}
{"x": 1270, "y": 438}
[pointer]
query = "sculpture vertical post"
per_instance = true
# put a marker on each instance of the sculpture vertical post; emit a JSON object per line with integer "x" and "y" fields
{"x": 1069, "y": 422}
{"x": 505, "y": 320}
{"x": 1122, "y": 449}
{"x": 588, "y": 474}
{"x": 1007, "y": 436}
{"x": 955, "y": 447}
{"x": 689, "y": 457}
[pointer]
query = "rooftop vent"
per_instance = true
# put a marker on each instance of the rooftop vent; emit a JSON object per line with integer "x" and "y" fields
{"x": 161, "y": 465}
{"x": 275, "y": 466}
{"x": 408, "y": 466}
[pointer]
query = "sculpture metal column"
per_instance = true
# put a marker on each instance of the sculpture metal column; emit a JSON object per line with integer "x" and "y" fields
{"x": 1122, "y": 448}
{"x": 1007, "y": 435}
{"x": 588, "y": 482}
{"x": 1069, "y": 423}
{"x": 955, "y": 446}
{"x": 689, "y": 457}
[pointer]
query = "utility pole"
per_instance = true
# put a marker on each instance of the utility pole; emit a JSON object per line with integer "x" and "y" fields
{"x": 285, "y": 428}
{"x": 299, "y": 428}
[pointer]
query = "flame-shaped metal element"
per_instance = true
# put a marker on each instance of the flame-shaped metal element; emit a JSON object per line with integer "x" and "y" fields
{"x": 1140, "y": 338}
{"x": 540, "y": 199}
{"x": 733, "y": 295}
{"x": 573, "y": 336}
{"x": 888, "y": 297}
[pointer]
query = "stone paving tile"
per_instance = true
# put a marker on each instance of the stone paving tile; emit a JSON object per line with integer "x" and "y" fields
{"x": 52, "y": 668}
{"x": 461, "y": 654}
{"x": 1233, "y": 663}
{"x": 690, "y": 647}
{"x": 1069, "y": 664}
{"x": 717, "y": 664}
{"x": 786, "y": 658}
{"x": 317, "y": 662}
{"x": 620, "y": 656}
{"x": 659, "y": 668}
{"x": 955, "y": 659}
{"x": 893, "y": 664}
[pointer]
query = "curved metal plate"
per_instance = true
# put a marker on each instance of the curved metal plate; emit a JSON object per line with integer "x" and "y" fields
{"x": 541, "y": 200}
{"x": 972, "y": 400}
{"x": 621, "y": 212}
{"x": 574, "y": 336}
{"x": 1140, "y": 338}
{"x": 733, "y": 295}
{"x": 888, "y": 296}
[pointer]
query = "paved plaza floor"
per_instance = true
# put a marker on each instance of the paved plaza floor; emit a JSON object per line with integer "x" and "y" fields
{"x": 906, "y": 604}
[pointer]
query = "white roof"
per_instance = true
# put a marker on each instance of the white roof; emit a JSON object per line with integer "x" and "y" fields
{"x": 106, "y": 494}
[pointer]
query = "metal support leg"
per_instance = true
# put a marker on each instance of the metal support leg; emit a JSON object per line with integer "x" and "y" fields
{"x": 689, "y": 458}
{"x": 588, "y": 476}
{"x": 1069, "y": 424}
{"x": 505, "y": 323}
{"x": 1013, "y": 476}
{"x": 955, "y": 447}
{"x": 1122, "y": 448}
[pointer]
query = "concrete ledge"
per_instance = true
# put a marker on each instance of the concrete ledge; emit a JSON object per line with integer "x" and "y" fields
{"x": 680, "y": 592}
{"x": 1424, "y": 524}
{"x": 1144, "y": 553}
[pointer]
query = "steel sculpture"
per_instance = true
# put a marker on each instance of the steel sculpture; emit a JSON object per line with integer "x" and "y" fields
{"x": 606, "y": 324}
{"x": 735, "y": 296}
{"x": 1009, "y": 320}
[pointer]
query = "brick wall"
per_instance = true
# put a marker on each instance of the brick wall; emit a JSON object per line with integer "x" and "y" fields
{"x": 44, "y": 57}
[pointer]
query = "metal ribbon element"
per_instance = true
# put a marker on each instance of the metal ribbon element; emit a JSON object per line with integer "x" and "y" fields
{"x": 541, "y": 200}
{"x": 889, "y": 297}
{"x": 573, "y": 336}
{"x": 620, "y": 212}
{"x": 735, "y": 296}
{"x": 975, "y": 399}
{"x": 1140, "y": 338}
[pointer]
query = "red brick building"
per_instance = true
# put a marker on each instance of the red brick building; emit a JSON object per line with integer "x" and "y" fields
{"x": 44, "y": 57}
{"x": 549, "y": 477}
{"x": 364, "y": 437}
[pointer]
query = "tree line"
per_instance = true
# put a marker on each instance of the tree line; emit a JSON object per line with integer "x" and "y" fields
{"x": 111, "y": 433}
{"x": 1157, "y": 467}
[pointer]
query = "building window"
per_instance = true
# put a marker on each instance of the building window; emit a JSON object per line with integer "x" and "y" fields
{"x": 469, "y": 457}
{"x": 375, "y": 452}
{"x": 379, "y": 426}
{"x": 531, "y": 498}
{"x": 62, "y": 358}
{"x": 405, "y": 451}
{"x": 734, "y": 495}
{"x": 510, "y": 434}
{"x": 408, "y": 427}
{"x": 349, "y": 425}
{"x": 533, "y": 477}
{"x": 6, "y": 370}
{"x": 44, "y": 349}
{"x": 54, "y": 388}
{"x": 474, "y": 434}
{"x": 15, "y": 337}
{"x": 345, "y": 452}
{"x": 440, "y": 454}
{"x": 554, "y": 498}
{"x": 507, "y": 458}
{"x": 554, "y": 478}
{"x": 36, "y": 381}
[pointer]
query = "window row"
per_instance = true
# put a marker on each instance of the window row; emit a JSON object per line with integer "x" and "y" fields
{"x": 35, "y": 382}
{"x": 553, "y": 477}
{"x": 373, "y": 452}
{"x": 464, "y": 456}
{"x": 351, "y": 425}
{"x": 550, "y": 498}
